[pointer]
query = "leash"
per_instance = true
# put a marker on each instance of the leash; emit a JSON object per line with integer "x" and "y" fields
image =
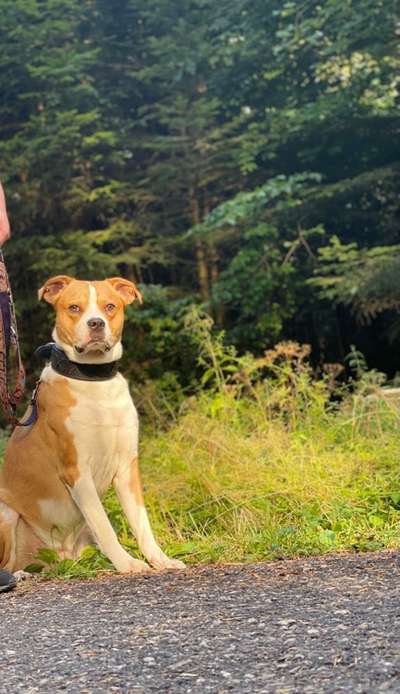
{"x": 11, "y": 366}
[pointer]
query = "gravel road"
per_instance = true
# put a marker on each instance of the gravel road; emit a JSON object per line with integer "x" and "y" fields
{"x": 309, "y": 625}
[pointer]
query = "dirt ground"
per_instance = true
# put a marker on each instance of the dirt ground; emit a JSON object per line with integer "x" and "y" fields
{"x": 327, "y": 624}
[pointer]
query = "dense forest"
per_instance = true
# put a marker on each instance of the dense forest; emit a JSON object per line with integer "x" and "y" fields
{"x": 240, "y": 155}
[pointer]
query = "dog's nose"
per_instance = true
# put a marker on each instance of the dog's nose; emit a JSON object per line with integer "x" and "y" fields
{"x": 96, "y": 323}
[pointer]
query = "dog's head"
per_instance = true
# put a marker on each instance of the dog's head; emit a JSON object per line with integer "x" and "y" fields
{"x": 89, "y": 315}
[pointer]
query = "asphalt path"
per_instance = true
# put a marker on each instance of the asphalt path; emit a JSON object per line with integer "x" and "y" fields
{"x": 315, "y": 625}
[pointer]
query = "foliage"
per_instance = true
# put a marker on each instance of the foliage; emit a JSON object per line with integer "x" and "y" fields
{"x": 264, "y": 464}
{"x": 367, "y": 279}
{"x": 239, "y": 158}
{"x": 258, "y": 125}
{"x": 250, "y": 205}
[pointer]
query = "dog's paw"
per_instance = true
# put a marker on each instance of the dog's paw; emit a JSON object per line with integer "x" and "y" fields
{"x": 133, "y": 566}
{"x": 164, "y": 562}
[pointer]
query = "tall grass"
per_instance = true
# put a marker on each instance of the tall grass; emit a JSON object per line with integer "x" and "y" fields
{"x": 267, "y": 461}
{"x": 269, "y": 465}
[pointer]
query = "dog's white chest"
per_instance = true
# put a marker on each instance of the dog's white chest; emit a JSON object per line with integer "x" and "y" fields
{"x": 104, "y": 427}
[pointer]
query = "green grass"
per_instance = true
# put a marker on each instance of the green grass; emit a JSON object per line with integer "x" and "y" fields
{"x": 263, "y": 466}
{"x": 242, "y": 486}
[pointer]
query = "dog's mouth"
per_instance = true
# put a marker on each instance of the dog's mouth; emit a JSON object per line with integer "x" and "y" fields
{"x": 94, "y": 346}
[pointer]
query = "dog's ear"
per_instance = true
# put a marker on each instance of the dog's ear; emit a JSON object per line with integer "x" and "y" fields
{"x": 127, "y": 290}
{"x": 52, "y": 289}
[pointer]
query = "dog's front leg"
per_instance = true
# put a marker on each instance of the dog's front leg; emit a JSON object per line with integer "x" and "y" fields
{"x": 129, "y": 491}
{"x": 85, "y": 496}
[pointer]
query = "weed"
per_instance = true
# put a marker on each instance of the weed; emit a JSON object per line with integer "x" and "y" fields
{"x": 262, "y": 464}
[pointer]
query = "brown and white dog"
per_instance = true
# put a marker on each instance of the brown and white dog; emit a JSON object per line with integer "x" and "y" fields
{"x": 85, "y": 439}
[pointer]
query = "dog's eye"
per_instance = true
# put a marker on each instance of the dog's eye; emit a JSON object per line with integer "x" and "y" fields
{"x": 74, "y": 308}
{"x": 109, "y": 307}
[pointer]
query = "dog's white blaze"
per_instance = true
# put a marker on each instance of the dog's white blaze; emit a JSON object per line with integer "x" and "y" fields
{"x": 93, "y": 310}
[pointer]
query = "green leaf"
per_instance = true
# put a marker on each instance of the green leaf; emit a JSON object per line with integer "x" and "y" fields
{"x": 49, "y": 556}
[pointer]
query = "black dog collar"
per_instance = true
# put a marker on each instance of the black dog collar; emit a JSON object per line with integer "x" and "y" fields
{"x": 71, "y": 369}
{"x": 65, "y": 367}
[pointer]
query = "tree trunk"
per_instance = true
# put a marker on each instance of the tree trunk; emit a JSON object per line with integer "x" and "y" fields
{"x": 202, "y": 271}
{"x": 217, "y": 305}
{"x": 200, "y": 251}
